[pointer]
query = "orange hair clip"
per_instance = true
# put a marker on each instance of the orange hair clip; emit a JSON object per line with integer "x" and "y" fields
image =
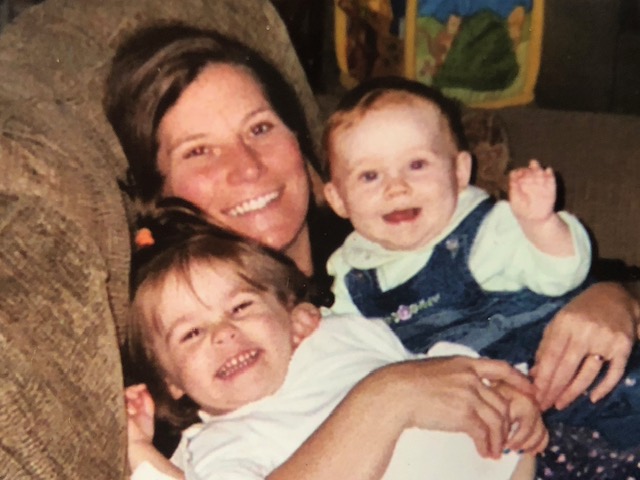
{"x": 144, "y": 238}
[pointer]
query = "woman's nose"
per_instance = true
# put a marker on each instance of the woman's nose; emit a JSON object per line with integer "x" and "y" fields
{"x": 246, "y": 164}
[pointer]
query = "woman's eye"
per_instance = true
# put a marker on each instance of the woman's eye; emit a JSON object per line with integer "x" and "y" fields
{"x": 261, "y": 128}
{"x": 368, "y": 176}
{"x": 196, "y": 152}
{"x": 190, "y": 335}
{"x": 240, "y": 307}
{"x": 417, "y": 164}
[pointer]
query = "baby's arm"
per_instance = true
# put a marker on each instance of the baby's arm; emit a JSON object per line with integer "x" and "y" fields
{"x": 140, "y": 410}
{"x": 532, "y": 196}
{"x": 528, "y": 433}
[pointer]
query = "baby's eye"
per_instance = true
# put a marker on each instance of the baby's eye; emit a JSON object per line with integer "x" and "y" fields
{"x": 191, "y": 334}
{"x": 418, "y": 164}
{"x": 240, "y": 307}
{"x": 368, "y": 176}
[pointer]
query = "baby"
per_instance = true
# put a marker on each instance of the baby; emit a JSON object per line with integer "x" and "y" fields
{"x": 435, "y": 257}
{"x": 221, "y": 334}
{"x": 432, "y": 255}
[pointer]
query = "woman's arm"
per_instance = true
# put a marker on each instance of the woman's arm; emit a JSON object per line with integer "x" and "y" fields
{"x": 447, "y": 394}
{"x": 597, "y": 326}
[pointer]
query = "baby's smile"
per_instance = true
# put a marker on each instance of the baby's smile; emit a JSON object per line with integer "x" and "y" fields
{"x": 398, "y": 216}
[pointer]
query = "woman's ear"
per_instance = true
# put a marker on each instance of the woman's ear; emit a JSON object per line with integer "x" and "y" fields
{"x": 334, "y": 199}
{"x": 305, "y": 318}
{"x": 463, "y": 169}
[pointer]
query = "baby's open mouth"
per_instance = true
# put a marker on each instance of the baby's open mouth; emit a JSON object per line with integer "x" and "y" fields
{"x": 237, "y": 363}
{"x": 253, "y": 204}
{"x": 397, "y": 216}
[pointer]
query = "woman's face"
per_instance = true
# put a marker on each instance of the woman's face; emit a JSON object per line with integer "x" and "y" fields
{"x": 224, "y": 148}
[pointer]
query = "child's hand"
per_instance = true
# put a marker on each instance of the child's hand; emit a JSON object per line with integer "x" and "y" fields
{"x": 140, "y": 410}
{"x": 528, "y": 433}
{"x": 532, "y": 192}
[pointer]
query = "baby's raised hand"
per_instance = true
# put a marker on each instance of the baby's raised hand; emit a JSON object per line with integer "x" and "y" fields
{"x": 532, "y": 192}
{"x": 140, "y": 410}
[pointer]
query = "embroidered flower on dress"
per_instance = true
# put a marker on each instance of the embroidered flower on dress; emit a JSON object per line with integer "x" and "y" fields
{"x": 405, "y": 312}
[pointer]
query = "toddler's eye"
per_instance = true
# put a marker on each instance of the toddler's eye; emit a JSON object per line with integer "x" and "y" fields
{"x": 417, "y": 164}
{"x": 368, "y": 176}
{"x": 191, "y": 334}
{"x": 241, "y": 306}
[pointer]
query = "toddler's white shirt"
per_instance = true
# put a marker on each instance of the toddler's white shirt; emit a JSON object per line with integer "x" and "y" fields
{"x": 253, "y": 440}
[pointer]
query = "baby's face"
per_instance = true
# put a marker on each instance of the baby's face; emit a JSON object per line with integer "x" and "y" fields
{"x": 220, "y": 340}
{"x": 396, "y": 174}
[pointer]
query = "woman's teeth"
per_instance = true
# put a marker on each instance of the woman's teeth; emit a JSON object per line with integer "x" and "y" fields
{"x": 237, "y": 363}
{"x": 253, "y": 204}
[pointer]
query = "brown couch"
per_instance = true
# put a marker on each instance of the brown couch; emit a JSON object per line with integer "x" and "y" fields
{"x": 64, "y": 223}
{"x": 64, "y": 235}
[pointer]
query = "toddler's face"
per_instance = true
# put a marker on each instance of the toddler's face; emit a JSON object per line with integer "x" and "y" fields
{"x": 220, "y": 340}
{"x": 396, "y": 174}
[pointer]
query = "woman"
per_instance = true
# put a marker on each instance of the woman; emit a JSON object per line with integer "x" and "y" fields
{"x": 205, "y": 119}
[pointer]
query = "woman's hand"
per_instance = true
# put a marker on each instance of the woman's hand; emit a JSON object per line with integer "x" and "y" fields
{"x": 455, "y": 394}
{"x": 446, "y": 393}
{"x": 597, "y": 327}
{"x": 527, "y": 432}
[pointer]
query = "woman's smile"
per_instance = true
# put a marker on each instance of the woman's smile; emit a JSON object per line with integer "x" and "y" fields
{"x": 254, "y": 204}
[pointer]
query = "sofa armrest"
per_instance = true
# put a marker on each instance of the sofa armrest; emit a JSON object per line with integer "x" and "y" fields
{"x": 60, "y": 380}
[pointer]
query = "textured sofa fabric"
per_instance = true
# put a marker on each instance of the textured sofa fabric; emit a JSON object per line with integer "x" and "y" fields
{"x": 64, "y": 235}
